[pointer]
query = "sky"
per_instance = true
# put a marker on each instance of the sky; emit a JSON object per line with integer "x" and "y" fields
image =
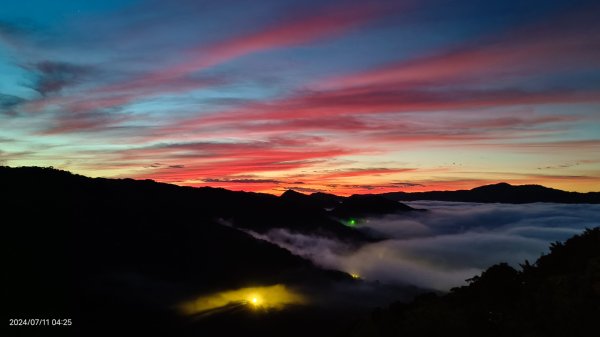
{"x": 335, "y": 96}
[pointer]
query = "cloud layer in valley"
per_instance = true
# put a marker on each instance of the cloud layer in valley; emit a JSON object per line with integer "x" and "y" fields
{"x": 450, "y": 243}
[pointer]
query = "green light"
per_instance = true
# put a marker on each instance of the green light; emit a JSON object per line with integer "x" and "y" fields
{"x": 352, "y": 222}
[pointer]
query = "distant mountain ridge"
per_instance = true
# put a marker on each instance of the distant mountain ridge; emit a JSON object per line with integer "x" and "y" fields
{"x": 346, "y": 208}
{"x": 501, "y": 193}
{"x": 258, "y": 212}
{"x": 366, "y": 205}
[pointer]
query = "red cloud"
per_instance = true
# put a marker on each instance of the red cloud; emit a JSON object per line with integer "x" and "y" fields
{"x": 352, "y": 173}
{"x": 218, "y": 160}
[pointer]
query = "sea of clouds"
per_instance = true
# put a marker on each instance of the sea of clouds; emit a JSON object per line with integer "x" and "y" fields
{"x": 451, "y": 242}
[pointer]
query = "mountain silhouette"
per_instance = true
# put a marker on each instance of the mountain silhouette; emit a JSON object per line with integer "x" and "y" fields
{"x": 501, "y": 193}
{"x": 302, "y": 200}
{"x": 327, "y": 200}
{"x": 355, "y": 206}
{"x": 254, "y": 211}
{"x": 368, "y": 205}
{"x": 116, "y": 255}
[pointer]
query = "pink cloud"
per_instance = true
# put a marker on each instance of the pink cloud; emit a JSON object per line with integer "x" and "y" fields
{"x": 326, "y": 23}
{"x": 564, "y": 43}
{"x": 381, "y": 99}
{"x": 434, "y": 83}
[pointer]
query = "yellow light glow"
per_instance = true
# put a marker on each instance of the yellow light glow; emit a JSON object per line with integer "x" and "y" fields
{"x": 269, "y": 297}
{"x": 255, "y": 301}
{"x": 354, "y": 275}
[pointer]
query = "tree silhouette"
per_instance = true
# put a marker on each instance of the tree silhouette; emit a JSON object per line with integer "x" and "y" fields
{"x": 559, "y": 295}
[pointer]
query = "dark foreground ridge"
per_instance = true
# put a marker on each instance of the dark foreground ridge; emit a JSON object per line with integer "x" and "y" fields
{"x": 117, "y": 255}
{"x": 501, "y": 193}
{"x": 559, "y": 295}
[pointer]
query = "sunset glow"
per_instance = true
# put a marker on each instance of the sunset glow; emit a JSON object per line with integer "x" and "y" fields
{"x": 334, "y": 96}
